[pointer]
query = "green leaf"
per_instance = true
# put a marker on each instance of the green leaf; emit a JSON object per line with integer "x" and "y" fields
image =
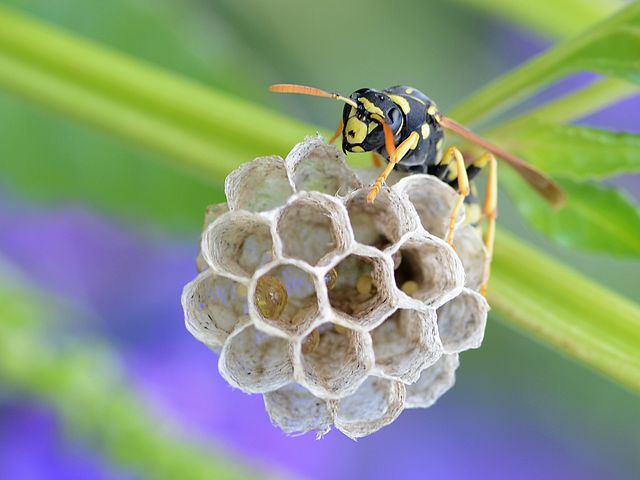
{"x": 80, "y": 379}
{"x": 571, "y": 152}
{"x": 554, "y": 18}
{"x": 574, "y": 152}
{"x": 595, "y": 218}
{"x": 610, "y": 47}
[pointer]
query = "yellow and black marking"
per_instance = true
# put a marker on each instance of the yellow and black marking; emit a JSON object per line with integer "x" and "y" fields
{"x": 418, "y": 137}
{"x": 402, "y": 125}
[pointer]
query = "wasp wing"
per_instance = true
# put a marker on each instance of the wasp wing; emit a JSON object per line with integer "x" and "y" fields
{"x": 534, "y": 177}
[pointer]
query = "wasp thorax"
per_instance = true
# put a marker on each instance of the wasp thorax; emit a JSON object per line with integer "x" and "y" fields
{"x": 339, "y": 312}
{"x": 271, "y": 297}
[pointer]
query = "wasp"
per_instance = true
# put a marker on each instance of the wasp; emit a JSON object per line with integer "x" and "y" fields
{"x": 404, "y": 127}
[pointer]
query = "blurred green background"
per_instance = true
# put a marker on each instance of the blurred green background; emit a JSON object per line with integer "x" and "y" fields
{"x": 518, "y": 409}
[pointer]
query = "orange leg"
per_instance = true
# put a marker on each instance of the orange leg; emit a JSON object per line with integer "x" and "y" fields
{"x": 375, "y": 159}
{"x": 337, "y": 133}
{"x": 463, "y": 185}
{"x": 399, "y": 153}
{"x": 490, "y": 211}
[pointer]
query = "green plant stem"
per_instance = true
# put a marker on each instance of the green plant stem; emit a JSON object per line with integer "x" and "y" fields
{"x": 588, "y": 100}
{"x": 137, "y": 102}
{"x": 579, "y": 104}
{"x": 566, "y": 310}
{"x": 520, "y": 83}
{"x": 560, "y": 306}
{"x": 116, "y": 118}
{"x": 559, "y": 19}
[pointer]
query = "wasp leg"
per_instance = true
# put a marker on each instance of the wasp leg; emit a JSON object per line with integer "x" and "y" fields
{"x": 337, "y": 133}
{"x": 490, "y": 212}
{"x": 457, "y": 171}
{"x": 375, "y": 159}
{"x": 400, "y": 152}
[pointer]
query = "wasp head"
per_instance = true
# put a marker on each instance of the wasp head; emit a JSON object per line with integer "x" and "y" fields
{"x": 362, "y": 130}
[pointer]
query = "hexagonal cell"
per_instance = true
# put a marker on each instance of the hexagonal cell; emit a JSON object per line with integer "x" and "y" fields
{"x": 213, "y": 307}
{"x": 295, "y": 410}
{"x": 433, "y": 200}
{"x": 406, "y": 343}
{"x": 383, "y": 222}
{"x": 337, "y": 365}
{"x": 313, "y": 227}
{"x": 376, "y": 403}
{"x": 428, "y": 270}
{"x": 255, "y": 362}
{"x": 434, "y": 382}
{"x": 210, "y": 215}
{"x": 283, "y": 299}
{"x": 363, "y": 294}
{"x": 258, "y": 186}
{"x": 238, "y": 243}
{"x": 469, "y": 246}
{"x": 314, "y": 165}
{"x": 462, "y": 320}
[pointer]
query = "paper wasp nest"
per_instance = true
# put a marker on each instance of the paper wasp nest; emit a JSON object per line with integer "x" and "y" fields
{"x": 339, "y": 312}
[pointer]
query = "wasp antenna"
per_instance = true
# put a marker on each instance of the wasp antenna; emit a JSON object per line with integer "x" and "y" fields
{"x": 544, "y": 185}
{"x": 314, "y": 92}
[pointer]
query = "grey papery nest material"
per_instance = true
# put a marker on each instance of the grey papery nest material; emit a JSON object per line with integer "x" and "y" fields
{"x": 338, "y": 311}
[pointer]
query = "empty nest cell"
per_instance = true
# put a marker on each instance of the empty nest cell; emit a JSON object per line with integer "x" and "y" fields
{"x": 213, "y": 307}
{"x": 210, "y": 215}
{"x": 313, "y": 227}
{"x": 434, "y": 382}
{"x": 238, "y": 243}
{"x": 295, "y": 410}
{"x": 462, "y": 321}
{"x": 467, "y": 241}
{"x": 406, "y": 343}
{"x": 255, "y": 362}
{"x": 433, "y": 200}
{"x": 376, "y": 403}
{"x": 315, "y": 166}
{"x": 258, "y": 186}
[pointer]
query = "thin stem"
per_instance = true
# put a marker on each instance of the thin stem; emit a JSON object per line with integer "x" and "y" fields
{"x": 577, "y": 105}
{"x": 549, "y": 17}
{"x": 543, "y": 69}
{"x": 75, "y": 77}
{"x": 588, "y": 100}
{"x": 117, "y": 118}
{"x": 566, "y": 310}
